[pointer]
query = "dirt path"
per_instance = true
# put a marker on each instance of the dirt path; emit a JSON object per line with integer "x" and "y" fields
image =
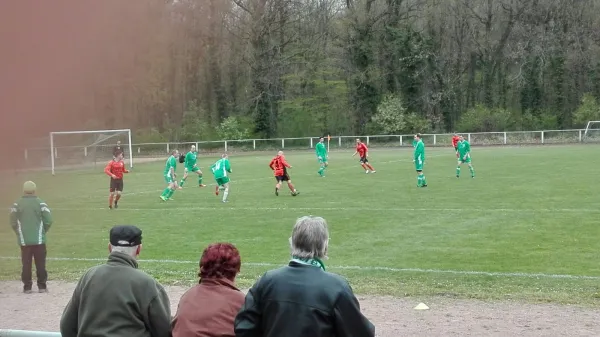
{"x": 392, "y": 317}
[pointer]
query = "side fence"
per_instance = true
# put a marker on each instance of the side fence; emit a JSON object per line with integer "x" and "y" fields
{"x": 66, "y": 155}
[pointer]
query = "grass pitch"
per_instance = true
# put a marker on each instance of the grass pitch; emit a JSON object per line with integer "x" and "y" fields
{"x": 525, "y": 228}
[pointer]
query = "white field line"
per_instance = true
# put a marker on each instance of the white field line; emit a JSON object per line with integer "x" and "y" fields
{"x": 359, "y": 268}
{"x": 359, "y": 209}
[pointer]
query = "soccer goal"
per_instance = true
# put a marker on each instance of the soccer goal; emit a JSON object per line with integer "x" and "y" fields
{"x": 81, "y": 149}
{"x": 592, "y": 131}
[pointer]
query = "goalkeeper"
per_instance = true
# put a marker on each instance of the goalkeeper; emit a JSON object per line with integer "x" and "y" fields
{"x": 191, "y": 165}
{"x": 322, "y": 156}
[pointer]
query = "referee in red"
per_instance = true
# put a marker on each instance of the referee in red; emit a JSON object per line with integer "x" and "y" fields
{"x": 115, "y": 169}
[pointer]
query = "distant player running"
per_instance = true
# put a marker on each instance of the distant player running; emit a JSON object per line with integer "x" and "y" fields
{"x": 464, "y": 152}
{"x": 279, "y": 166}
{"x": 115, "y": 169}
{"x": 191, "y": 165}
{"x": 455, "y": 139}
{"x": 363, "y": 152}
{"x": 170, "y": 176}
{"x": 322, "y": 156}
{"x": 220, "y": 169}
{"x": 419, "y": 160}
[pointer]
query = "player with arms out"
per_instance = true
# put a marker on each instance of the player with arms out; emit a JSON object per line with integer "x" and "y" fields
{"x": 115, "y": 169}
{"x": 363, "y": 152}
{"x": 322, "y": 156}
{"x": 464, "y": 152}
{"x": 455, "y": 139}
{"x": 220, "y": 169}
{"x": 191, "y": 165}
{"x": 419, "y": 160}
{"x": 279, "y": 166}
{"x": 170, "y": 176}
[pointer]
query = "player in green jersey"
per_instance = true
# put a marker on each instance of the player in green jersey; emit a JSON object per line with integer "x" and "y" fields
{"x": 464, "y": 156}
{"x": 191, "y": 165}
{"x": 322, "y": 156}
{"x": 220, "y": 171}
{"x": 170, "y": 176}
{"x": 419, "y": 160}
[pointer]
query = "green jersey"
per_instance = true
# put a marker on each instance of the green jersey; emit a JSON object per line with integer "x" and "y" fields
{"x": 191, "y": 158}
{"x": 171, "y": 163}
{"x": 321, "y": 150}
{"x": 221, "y": 168}
{"x": 464, "y": 148}
{"x": 419, "y": 155}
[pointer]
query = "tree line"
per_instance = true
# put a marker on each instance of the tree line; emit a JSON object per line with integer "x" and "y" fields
{"x": 214, "y": 69}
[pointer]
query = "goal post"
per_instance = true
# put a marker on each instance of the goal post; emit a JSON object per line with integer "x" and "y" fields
{"x": 78, "y": 143}
{"x": 589, "y": 128}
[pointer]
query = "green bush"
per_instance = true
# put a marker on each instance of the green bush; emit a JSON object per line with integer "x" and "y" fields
{"x": 589, "y": 110}
{"x": 392, "y": 118}
{"x": 232, "y": 128}
{"x": 483, "y": 119}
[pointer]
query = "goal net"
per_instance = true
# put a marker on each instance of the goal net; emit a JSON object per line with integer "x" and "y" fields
{"x": 87, "y": 149}
{"x": 592, "y": 132}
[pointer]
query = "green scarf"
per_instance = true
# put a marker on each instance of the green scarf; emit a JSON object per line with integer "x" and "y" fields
{"x": 311, "y": 262}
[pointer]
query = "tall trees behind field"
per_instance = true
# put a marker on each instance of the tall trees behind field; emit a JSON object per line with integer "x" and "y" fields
{"x": 193, "y": 70}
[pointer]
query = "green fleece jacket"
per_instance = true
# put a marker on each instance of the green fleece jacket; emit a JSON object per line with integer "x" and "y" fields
{"x": 117, "y": 299}
{"x": 30, "y": 218}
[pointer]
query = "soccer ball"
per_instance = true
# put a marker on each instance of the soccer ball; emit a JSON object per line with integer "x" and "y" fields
{"x": 294, "y": 194}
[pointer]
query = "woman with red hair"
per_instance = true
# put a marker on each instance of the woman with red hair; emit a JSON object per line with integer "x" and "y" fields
{"x": 209, "y": 308}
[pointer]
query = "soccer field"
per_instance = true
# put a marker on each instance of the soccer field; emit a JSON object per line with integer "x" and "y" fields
{"x": 527, "y": 227}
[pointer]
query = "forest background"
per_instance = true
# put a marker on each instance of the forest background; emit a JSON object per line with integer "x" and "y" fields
{"x": 192, "y": 70}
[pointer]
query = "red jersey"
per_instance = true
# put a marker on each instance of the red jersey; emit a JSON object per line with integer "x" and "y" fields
{"x": 278, "y": 165}
{"x": 116, "y": 168}
{"x": 455, "y": 140}
{"x": 361, "y": 148}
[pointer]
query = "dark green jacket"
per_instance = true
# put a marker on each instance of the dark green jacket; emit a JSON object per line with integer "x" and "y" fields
{"x": 301, "y": 301}
{"x": 30, "y": 218}
{"x": 117, "y": 299}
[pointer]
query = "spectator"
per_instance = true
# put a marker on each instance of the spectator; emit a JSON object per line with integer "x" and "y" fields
{"x": 117, "y": 299}
{"x": 31, "y": 219}
{"x": 209, "y": 308}
{"x": 118, "y": 149}
{"x": 302, "y": 299}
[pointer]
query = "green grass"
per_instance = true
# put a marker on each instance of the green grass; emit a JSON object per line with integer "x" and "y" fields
{"x": 530, "y": 210}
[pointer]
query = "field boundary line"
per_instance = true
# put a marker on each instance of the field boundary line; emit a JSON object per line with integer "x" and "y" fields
{"x": 375, "y": 268}
{"x": 392, "y": 209}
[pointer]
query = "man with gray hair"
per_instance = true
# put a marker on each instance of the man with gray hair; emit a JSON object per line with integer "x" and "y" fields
{"x": 117, "y": 299}
{"x": 302, "y": 299}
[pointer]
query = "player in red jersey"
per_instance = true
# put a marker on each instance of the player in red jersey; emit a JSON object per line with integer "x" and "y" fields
{"x": 279, "y": 166}
{"x": 455, "y": 140}
{"x": 115, "y": 169}
{"x": 362, "y": 151}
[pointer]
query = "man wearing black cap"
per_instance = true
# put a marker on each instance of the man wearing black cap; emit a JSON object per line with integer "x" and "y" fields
{"x": 117, "y": 299}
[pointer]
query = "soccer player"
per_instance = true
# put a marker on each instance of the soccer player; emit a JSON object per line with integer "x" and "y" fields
{"x": 115, "y": 169}
{"x": 362, "y": 151}
{"x": 279, "y": 166}
{"x": 464, "y": 152}
{"x": 191, "y": 165}
{"x": 455, "y": 139}
{"x": 220, "y": 169}
{"x": 170, "y": 176}
{"x": 419, "y": 160}
{"x": 322, "y": 156}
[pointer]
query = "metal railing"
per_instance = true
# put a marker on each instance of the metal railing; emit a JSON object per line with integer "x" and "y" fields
{"x": 78, "y": 154}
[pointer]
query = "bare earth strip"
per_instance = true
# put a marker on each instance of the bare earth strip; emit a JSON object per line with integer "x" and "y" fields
{"x": 392, "y": 316}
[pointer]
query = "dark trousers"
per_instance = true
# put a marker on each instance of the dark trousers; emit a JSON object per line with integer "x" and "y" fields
{"x": 38, "y": 254}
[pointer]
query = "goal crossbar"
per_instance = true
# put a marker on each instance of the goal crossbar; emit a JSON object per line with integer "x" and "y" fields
{"x": 55, "y": 133}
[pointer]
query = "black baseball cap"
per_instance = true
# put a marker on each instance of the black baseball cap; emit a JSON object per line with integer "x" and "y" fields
{"x": 125, "y": 236}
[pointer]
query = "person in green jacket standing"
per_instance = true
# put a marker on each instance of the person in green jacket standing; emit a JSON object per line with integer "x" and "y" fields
{"x": 419, "y": 160}
{"x": 31, "y": 219}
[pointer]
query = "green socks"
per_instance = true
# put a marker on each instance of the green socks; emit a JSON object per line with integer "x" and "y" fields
{"x": 458, "y": 171}
{"x": 472, "y": 171}
{"x": 170, "y": 193}
{"x": 182, "y": 182}
{"x": 421, "y": 181}
{"x": 199, "y": 180}
{"x": 321, "y": 170}
{"x": 165, "y": 192}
